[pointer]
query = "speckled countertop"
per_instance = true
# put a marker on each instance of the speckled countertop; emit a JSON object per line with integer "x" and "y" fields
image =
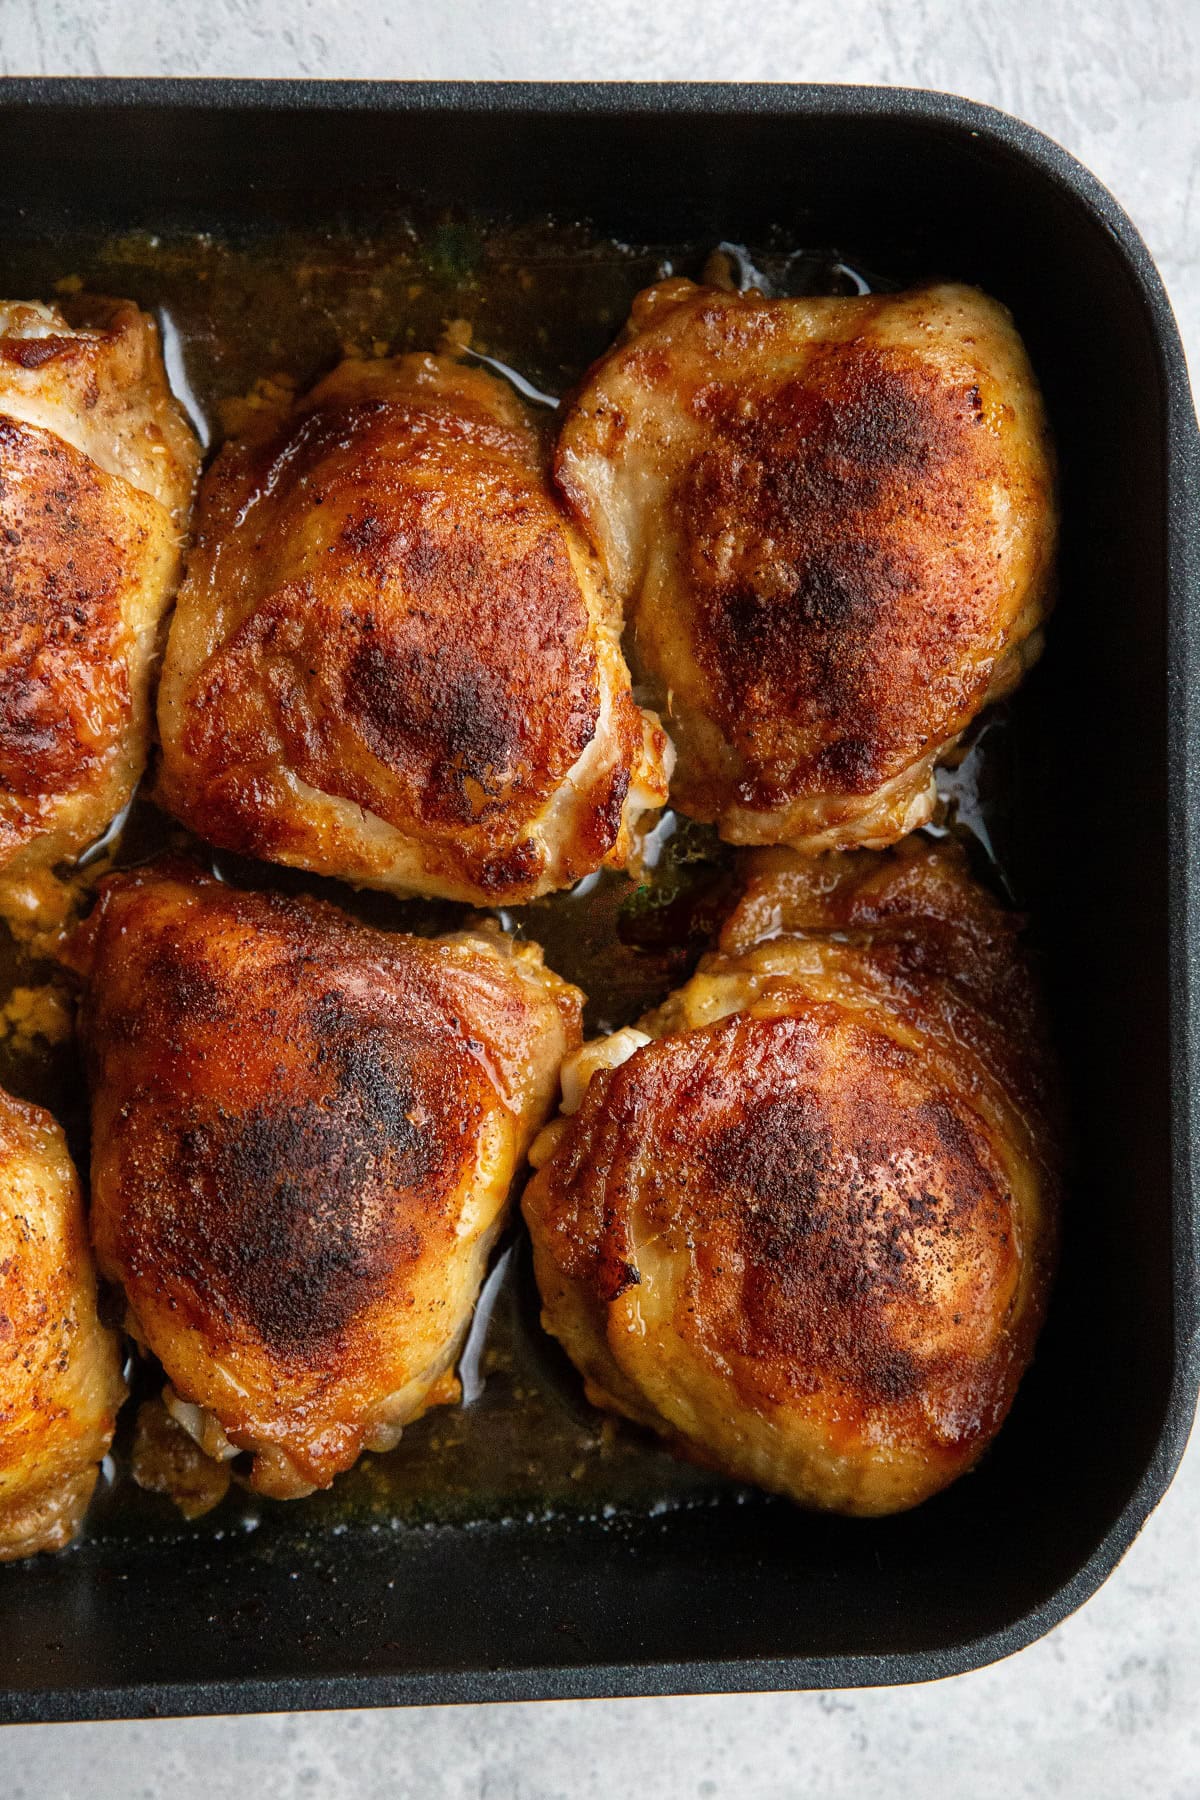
{"x": 1109, "y": 1704}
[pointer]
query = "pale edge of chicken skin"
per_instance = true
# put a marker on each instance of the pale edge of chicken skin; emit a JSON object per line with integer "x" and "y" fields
{"x": 60, "y": 1368}
{"x": 304, "y": 1134}
{"x": 394, "y": 659}
{"x": 97, "y": 467}
{"x": 832, "y": 524}
{"x": 801, "y": 1222}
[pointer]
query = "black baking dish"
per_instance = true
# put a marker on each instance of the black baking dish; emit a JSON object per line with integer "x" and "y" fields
{"x": 748, "y": 1593}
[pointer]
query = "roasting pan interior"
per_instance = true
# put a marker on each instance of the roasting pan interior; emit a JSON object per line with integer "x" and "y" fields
{"x": 734, "y": 1591}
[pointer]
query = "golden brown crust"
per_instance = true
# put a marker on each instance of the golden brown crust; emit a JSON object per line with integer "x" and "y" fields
{"x": 65, "y": 698}
{"x": 913, "y": 928}
{"x": 96, "y": 468}
{"x": 303, "y": 1135}
{"x": 385, "y": 603}
{"x": 90, "y": 370}
{"x": 832, "y": 523}
{"x": 807, "y": 1231}
{"x": 166, "y": 1459}
{"x": 60, "y": 1382}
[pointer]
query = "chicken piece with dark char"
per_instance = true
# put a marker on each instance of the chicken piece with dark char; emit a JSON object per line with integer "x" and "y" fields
{"x": 394, "y": 659}
{"x": 832, "y": 525}
{"x": 97, "y": 466}
{"x": 304, "y": 1132}
{"x": 801, "y": 1222}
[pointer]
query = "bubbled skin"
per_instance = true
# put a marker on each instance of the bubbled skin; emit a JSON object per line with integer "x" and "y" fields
{"x": 805, "y": 1229}
{"x": 96, "y": 473}
{"x": 60, "y": 1379}
{"x": 304, "y": 1134}
{"x": 394, "y": 660}
{"x": 832, "y": 525}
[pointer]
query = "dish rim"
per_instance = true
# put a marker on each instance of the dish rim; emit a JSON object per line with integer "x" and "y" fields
{"x": 1042, "y": 155}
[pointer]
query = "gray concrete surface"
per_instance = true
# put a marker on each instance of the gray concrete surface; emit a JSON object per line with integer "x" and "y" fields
{"x": 1109, "y": 1705}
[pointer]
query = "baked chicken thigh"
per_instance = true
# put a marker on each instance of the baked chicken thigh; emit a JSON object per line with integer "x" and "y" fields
{"x": 801, "y": 1222}
{"x": 97, "y": 466}
{"x": 394, "y": 659}
{"x": 832, "y": 525}
{"x": 304, "y": 1131}
{"x": 60, "y": 1369}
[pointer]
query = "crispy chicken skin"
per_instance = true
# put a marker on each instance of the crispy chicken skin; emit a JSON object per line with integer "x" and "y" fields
{"x": 394, "y": 660}
{"x": 304, "y": 1131}
{"x": 802, "y": 1222}
{"x": 832, "y": 524}
{"x": 60, "y": 1374}
{"x": 97, "y": 466}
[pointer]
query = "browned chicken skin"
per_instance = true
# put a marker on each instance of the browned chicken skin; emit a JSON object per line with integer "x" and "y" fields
{"x": 96, "y": 472}
{"x": 832, "y": 525}
{"x": 304, "y": 1133}
{"x": 802, "y": 1222}
{"x": 394, "y": 659}
{"x": 60, "y": 1371}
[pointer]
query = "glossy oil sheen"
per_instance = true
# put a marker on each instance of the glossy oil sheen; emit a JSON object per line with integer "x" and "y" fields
{"x": 539, "y": 299}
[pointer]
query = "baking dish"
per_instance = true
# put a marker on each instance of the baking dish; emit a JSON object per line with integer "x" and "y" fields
{"x": 736, "y": 1591}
